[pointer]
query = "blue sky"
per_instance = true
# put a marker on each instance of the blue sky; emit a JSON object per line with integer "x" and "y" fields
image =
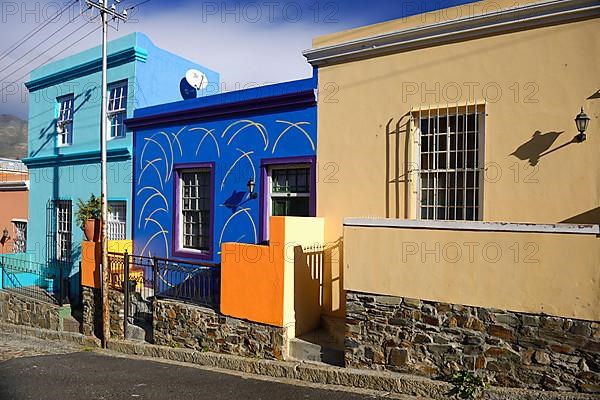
{"x": 249, "y": 42}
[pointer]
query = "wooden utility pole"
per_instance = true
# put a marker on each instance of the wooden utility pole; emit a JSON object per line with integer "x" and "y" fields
{"x": 105, "y": 13}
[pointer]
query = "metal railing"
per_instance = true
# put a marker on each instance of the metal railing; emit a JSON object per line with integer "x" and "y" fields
{"x": 117, "y": 230}
{"x": 45, "y": 282}
{"x": 188, "y": 281}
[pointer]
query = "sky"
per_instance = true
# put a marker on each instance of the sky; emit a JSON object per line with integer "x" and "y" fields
{"x": 248, "y": 42}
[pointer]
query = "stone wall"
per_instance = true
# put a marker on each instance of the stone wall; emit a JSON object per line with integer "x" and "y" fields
{"x": 92, "y": 312}
{"x": 434, "y": 339}
{"x": 22, "y": 310}
{"x": 181, "y": 325}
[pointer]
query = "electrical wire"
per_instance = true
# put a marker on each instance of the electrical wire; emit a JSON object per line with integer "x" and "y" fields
{"x": 40, "y": 43}
{"x": 59, "y": 53}
{"x": 137, "y": 5}
{"x": 35, "y": 31}
{"x": 41, "y": 54}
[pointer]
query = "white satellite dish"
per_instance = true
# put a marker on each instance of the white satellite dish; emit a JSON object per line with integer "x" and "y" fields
{"x": 196, "y": 79}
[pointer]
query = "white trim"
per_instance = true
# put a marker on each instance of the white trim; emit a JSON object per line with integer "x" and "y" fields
{"x": 14, "y": 185}
{"x": 18, "y": 220}
{"x": 528, "y": 16}
{"x": 584, "y": 229}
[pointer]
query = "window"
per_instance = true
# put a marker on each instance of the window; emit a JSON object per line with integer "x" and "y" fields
{"x": 194, "y": 214}
{"x": 64, "y": 229}
{"x": 117, "y": 220}
{"x": 450, "y": 171}
{"x": 65, "y": 120}
{"x": 117, "y": 109}
{"x": 20, "y": 235}
{"x": 290, "y": 191}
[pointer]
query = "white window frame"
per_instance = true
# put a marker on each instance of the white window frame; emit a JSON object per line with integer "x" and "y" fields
{"x": 117, "y": 220}
{"x": 64, "y": 229}
{"x": 479, "y": 134}
{"x": 181, "y": 247}
{"x": 117, "y": 109}
{"x": 66, "y": 109}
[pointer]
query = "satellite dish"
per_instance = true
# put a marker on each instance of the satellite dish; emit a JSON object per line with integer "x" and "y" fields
{"x": 196, "y": 79}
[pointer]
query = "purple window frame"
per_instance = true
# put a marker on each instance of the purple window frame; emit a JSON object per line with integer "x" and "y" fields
{"x": 178, "y": 250}
{"x": 265, "y": 190}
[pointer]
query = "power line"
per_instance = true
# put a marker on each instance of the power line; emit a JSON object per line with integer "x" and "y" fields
{"x": 137, "y": 5}
{"x": 36, "y": 30}
{"x": 40, "y": 43}
{"x": 57, "y": 54}
{"x": 41, "y": 54}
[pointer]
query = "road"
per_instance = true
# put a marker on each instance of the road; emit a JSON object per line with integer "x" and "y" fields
{"x": 40, "y": 370}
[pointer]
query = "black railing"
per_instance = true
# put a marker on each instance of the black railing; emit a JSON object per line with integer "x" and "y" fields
{"x": 41, "y": 281}
{"x": 187, "y": 281}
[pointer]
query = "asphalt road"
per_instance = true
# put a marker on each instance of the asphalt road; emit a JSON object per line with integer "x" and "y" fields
{"x": 94, "y": 376}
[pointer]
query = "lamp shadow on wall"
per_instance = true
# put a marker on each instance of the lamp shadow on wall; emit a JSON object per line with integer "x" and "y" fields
{"x": 236, "y": 200}
{"x": 539, "y": 146}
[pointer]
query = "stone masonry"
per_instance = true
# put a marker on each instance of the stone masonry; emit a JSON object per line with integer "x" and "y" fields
{"x": 22, "y": 310}
{"x": 435, "y": 339}
{"x": 181, "y": 325}
{"x": 92, "y": 312}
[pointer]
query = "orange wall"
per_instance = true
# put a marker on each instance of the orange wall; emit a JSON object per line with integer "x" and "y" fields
{"x": 13, "y": 204}
{"x": 90, "y": 264}
{"x": 252, "y": 279}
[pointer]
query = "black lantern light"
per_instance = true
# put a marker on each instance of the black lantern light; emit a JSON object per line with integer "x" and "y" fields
{"x": 582, "y": 121}
{"x": 251, "y": 185}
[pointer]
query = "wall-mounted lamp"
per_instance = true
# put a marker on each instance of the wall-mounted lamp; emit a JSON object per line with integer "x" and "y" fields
{"x": 4, "y": 237}
{"x": 582, "y": 121}
{"x": 251, "y": 193}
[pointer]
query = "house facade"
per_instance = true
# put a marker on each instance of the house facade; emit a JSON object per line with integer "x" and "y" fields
{"x": 64, "y": 138}
{"x": 213, "y": 170}
{"x": 475, "y": 201}
{"x": 14, "y": 195}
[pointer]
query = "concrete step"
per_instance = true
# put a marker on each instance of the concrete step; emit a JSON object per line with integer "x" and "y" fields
{"x": 317, "y": 346}
{"x": 136, "y": 333}
{"x": 70, "y": 324}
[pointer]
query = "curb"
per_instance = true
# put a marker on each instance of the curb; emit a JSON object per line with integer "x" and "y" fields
{"x": 305, "y": 372}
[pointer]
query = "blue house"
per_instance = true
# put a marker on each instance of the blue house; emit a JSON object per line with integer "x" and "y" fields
{"x": 212, "y": 170}
{"x": 64, "y": 137}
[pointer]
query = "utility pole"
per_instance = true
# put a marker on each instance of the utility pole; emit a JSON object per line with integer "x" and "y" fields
{"x": 105, "y": 13}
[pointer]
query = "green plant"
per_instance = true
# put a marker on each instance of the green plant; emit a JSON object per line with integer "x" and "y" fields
{"x": 468, "y": 385}
{"x": 91, "y": 209}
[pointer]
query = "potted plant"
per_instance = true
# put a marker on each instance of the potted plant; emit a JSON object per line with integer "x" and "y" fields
{"x": 88, "y": 217}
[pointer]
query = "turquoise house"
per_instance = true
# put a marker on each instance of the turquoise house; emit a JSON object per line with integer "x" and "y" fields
{"x": 64, "y": 138}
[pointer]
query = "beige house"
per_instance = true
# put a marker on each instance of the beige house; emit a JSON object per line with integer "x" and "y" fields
{"x": 451, "y": 171}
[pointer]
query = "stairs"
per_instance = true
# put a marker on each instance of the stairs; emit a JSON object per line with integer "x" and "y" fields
{"x": 323, "y": 345}
{"x": 67, "y": 321}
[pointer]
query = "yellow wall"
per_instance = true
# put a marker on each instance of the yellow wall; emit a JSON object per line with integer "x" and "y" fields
{"x": 555, "y": 274}
{"x": 545, "y": 75}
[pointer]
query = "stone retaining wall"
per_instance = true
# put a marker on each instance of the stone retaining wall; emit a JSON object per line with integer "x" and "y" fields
{"x": 22, "y": 310}
{"x": 434, "y": 339}
{"x": 181, "y": 325}
{"x": 92, "y": 312}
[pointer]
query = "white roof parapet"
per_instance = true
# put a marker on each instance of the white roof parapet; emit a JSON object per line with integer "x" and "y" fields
{"x": 526, "y": 16}
{"x": 579, "y": 229}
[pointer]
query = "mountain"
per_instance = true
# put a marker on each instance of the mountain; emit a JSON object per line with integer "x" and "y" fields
{"x": 13, "y": 137}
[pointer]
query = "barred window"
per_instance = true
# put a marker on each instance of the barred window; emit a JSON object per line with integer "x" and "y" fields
{"x": 65, "y": 120}
{"x": 450, "y": 158}
{"x": 195, "y": 211}
{"x": 117, "y": 109}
